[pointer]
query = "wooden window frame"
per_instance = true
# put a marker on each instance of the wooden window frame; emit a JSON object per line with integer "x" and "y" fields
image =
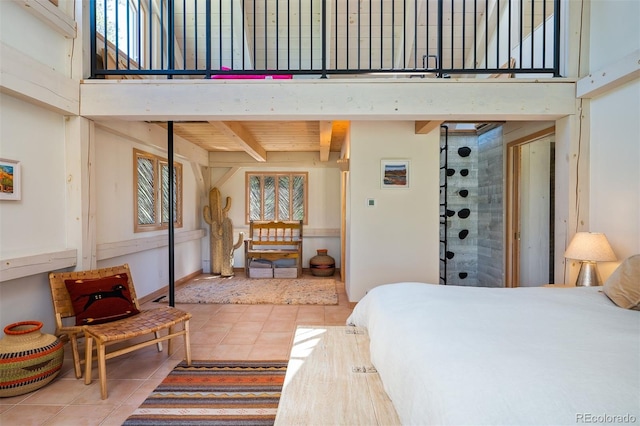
{"x": 275, "y": 175}
{"x": 158, "y": 201}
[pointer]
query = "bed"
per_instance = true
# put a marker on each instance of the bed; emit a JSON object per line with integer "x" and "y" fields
{"x": 450, "y": 355}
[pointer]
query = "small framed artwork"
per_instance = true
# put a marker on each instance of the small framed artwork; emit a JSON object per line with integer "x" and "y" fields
{"x": 9, "y": 179}
{"x": 394, "y": 174}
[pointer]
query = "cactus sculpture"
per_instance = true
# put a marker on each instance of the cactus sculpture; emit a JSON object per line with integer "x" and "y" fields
{"x": 221, "y": 245}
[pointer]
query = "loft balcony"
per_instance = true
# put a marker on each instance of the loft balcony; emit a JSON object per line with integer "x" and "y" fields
{"x": 203, "y": 39}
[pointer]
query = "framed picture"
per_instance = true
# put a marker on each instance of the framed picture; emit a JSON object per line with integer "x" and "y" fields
{"x": 9, "y": 179}
{"x": 394, "y": 174}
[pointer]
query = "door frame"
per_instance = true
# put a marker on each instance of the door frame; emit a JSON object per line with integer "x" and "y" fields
{"x": 512, "y": 198}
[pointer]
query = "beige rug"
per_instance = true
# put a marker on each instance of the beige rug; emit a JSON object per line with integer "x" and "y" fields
{"x": 251, "y": 291}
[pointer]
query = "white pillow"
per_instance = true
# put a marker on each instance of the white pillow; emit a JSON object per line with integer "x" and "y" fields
{"x": 623, "y": 286}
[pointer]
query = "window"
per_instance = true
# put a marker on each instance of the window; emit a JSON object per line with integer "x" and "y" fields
{"x": 122, "y": 27}
{"x": 278, "y": 196}
{"x": 151, "y": 198}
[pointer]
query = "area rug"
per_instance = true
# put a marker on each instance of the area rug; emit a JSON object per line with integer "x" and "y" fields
{"x": 214, "y": 393}
{"x": 287, "y": 291}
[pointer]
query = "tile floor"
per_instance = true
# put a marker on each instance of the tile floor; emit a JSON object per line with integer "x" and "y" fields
{"x": 233, "y": 332}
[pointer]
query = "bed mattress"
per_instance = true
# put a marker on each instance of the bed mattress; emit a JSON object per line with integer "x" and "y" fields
{"x": 451, "y": 355}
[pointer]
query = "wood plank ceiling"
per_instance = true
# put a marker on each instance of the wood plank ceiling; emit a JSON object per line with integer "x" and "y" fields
{"x": 259, "y": 137}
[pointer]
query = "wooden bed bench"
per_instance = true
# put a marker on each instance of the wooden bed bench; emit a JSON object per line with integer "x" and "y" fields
{"x": 330, "y": 380}
{"x": 273, "y": 241}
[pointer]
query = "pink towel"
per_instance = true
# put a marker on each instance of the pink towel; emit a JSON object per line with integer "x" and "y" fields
{"x": 250, "y": 76}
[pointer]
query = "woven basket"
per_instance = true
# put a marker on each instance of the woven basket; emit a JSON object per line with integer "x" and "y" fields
{"x": 29, "y": 359}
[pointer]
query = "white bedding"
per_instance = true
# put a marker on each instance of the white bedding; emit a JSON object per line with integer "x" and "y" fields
{"x": 451, "y": 355}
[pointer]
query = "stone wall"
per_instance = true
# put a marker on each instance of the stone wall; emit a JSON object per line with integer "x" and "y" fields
{"x": 490, "y": 209}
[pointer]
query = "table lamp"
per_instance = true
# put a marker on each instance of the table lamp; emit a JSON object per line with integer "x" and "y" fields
{"x": 589, "y": 248}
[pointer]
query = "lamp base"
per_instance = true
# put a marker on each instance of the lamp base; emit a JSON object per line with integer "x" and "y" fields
{"x": 588, "y": 275}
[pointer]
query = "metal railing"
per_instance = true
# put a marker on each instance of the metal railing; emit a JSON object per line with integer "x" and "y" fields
{"x": 244, "y": 38}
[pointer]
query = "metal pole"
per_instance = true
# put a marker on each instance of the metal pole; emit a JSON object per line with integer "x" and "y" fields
{"x": 171, "y": 215}
{"x": 440, "y": 63}
{"x": 556, "y": 39}
{"x": 324, "y": 39}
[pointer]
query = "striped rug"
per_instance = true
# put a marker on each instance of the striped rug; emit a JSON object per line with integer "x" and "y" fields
{"x": 214, "y": 393}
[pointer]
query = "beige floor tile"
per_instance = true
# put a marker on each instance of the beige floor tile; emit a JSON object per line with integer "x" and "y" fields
{"x": 140, "y": 368}
{"x": 59, "y": 391}
{"x": 283, "y": 313}
{"x": 164, "y": 369}
{"x": 215, "y": 325}
{"x": 269, "y": 352}
{"x": 241, "y": 337}
{"x": 202, "y": 352}
{"x": 118, "y": 392}
{"x": 256, "y": 313}
{"x": 13, "y": 400}
{"x": 207, "y": 336}
{"x": 246, "y": 327}
{"x": 283, "y": 339}
{"x": 81, "y": 415}
{"x": 139, "y": 395}
{"x": 200, "y": 309}
{"x": 198, "y": 323}
{"x": 228, "y": 317}
{"x": 336, "y": 315}
{"x": 235, "y": 308}
{"x": 119, "y": 415}
{"x": 231, "y": 352}
{"x": 310, "y": 313}
{"x": 273, "y": 326}
{"x": 27, "y": 415}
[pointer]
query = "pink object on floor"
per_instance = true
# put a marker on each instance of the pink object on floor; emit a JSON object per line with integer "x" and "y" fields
{"x": 250, "y": 76}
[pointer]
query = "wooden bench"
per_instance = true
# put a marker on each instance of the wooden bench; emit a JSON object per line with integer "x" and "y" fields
{"x": 148, "y": 327}
{"x": 273, "y": 241}
{"x": 330, "y": 380}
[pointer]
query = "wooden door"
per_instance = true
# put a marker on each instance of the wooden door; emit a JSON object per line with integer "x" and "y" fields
{"x": 530, "y": 206}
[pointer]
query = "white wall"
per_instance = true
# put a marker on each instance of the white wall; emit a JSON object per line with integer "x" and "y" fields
{"x": 614, "y": 193}
{"x": 614, "y": 31}
{"x": 35, "y": 137}
{"x": 397, "y": 240}
{"x": 36, "y": 223}
{"x": 114, "y": 217}
{"x": 614, "y": 181}
{"x": 22, "y": 31}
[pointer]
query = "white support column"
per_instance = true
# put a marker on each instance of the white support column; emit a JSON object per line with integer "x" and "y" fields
{"x": 571, "y": 188}
{"x": 572, "y": 145}
{"x": 80, "y": 191}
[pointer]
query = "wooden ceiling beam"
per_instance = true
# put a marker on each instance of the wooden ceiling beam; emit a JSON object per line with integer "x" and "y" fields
{"x": 326, "y": 130}
{"x": 424, "y": 127}
{"x": 239, "y": 134}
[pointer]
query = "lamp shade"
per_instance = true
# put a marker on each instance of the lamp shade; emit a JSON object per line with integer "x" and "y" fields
{"x": 591, "y": 246}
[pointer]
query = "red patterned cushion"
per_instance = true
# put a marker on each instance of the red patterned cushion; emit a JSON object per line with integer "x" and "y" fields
{"x": 96, "y": 301}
